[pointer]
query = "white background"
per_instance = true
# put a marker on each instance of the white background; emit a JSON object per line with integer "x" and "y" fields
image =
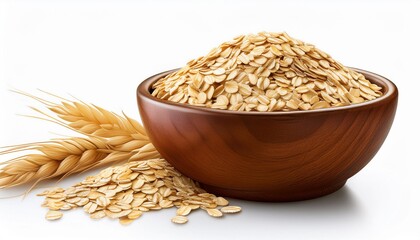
{"x": 99, "y": 51}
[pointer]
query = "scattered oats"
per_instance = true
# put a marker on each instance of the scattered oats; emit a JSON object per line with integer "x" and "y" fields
{"x": 73, "y": 200}
{"x": 92, "y": 207}
{"x": 58, "y": 195}
{"x": 103, "y": 201}
{"x": 53, "y": 215}
{"x": 114, "y": 208}
{"x": 135, "y": 214}
{"x": 65, "y": 207}
{"x": 222, "y": 201}
{"x": 138, "y": 183}
{"x": 231, "y": 209}
{"x": 119, "y": 214}
{"x": 126, "y": 220}
{"x": 98, "y": 215}
{"x": 179, "y": 219}
{"x": 83, "y": 202}
{"x": 236, "y": 73}
{"x": 183, "y": 210}
{"x": 194, "y": 206}
{"x": 125, "y": 192}
{"x": 214, "y": 212}
{"x": 165, "y": 203}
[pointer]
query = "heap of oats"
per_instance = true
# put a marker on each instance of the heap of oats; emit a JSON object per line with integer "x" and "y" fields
{"x": 125, "y": 192}
{"x": 266, "y": 72}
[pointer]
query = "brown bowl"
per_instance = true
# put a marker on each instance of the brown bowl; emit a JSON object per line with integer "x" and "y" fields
{"x": 269, "y": 156}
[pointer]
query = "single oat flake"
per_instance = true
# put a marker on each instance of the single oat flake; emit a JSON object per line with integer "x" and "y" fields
{"x": 179, "y": 219}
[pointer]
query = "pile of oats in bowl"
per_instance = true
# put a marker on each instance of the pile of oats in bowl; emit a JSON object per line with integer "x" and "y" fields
{"x": 266, "y": 72}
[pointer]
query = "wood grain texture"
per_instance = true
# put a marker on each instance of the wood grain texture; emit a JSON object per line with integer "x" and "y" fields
{"x": 274, "y": 156}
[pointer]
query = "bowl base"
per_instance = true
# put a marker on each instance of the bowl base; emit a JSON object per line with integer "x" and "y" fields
{"x": 273, "y": 196}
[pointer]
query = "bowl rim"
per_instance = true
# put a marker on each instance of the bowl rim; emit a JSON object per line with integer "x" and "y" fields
{"x": 390, "y": 91}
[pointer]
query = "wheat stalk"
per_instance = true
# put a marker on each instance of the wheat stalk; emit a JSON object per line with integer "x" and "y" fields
{"x": 110, "y": 138}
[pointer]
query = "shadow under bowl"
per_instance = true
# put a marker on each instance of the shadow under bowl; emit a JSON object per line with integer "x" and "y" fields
{"x": 268, "y": 156}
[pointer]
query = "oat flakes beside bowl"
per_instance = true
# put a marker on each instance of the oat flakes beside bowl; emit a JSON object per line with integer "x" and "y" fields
{"x": 267, "y": 117}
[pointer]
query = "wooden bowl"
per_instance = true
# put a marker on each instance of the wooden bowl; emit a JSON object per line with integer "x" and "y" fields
{"x": 269, "y": 156}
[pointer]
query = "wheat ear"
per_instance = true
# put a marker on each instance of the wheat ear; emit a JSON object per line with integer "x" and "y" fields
{"x": 110, "y": 138}
{"x": 120, "y": 132}
{"x": 56, "y": 158}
